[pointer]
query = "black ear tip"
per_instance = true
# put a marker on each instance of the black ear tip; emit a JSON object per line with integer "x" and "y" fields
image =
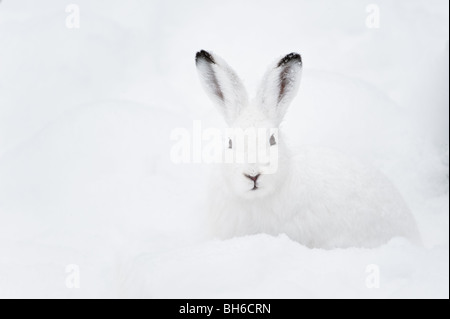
{"x": 204, "y": 55}
{"x": 291, "y": 57}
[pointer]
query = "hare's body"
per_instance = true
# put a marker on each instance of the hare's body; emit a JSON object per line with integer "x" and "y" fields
{"x": 317, "y": 197}
{"x": 326, "y": 201}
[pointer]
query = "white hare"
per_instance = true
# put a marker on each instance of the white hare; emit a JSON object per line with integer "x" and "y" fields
{"x": 317, "y": 197}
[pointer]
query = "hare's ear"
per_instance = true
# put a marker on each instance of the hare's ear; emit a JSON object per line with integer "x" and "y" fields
{"x": 222, "y": 84}
{"x": 280, "y": 85}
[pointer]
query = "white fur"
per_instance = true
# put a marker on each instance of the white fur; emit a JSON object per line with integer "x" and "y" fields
{"x": 317, "y": 197}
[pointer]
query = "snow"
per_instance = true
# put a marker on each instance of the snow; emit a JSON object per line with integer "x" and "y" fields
{"x": 85, "y": 122}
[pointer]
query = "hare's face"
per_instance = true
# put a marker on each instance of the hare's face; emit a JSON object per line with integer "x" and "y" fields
{"x": 258, "y": 167}
{"x": 254, "y": 147}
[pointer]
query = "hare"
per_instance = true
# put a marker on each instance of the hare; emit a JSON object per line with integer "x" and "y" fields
{"x": 317, "y": 197}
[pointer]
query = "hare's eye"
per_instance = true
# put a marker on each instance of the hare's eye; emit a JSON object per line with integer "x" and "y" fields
{"x": 230, "y": 143}
{"x": 272, "y": 141}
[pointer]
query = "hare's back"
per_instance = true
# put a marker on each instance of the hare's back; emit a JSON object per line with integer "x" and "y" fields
{"x": 350, "y": 197}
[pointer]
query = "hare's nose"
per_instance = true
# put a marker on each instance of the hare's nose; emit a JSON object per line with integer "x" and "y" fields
{"x": 253, "y": 178}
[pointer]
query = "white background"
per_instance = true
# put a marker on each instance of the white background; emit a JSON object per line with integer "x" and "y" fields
{"x": 85, "y": 120}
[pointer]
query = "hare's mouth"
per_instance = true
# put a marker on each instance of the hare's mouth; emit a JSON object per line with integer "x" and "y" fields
{"x": 254, "y": 179}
